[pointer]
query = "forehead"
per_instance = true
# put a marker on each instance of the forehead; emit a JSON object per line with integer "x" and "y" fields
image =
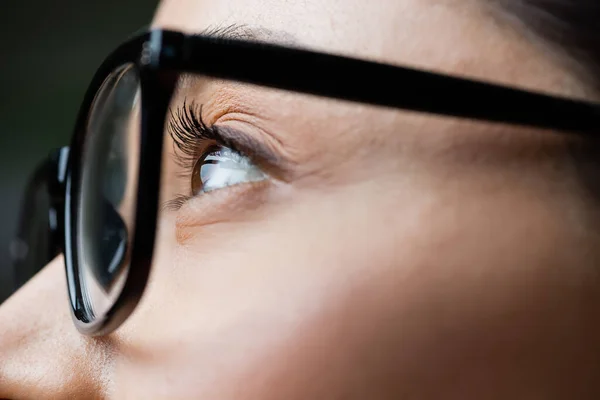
{"x": 463, "y": 37}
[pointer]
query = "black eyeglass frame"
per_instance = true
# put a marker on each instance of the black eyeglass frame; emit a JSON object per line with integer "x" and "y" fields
{"x": 161, "y": 56}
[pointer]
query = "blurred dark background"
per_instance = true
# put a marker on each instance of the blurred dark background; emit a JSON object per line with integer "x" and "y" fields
{"x": 48, "y": 54}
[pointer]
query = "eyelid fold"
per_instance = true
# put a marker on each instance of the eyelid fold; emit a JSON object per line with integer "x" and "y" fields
{"x": 234, "y": 130}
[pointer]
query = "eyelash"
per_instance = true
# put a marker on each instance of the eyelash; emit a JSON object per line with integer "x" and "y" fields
{"x": 189, "y": 131}
{"x": 191, "y": 137}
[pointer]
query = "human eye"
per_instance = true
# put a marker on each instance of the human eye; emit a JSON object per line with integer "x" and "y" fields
{"x": 219, "y": 167}
{"x": 210, "y": 160}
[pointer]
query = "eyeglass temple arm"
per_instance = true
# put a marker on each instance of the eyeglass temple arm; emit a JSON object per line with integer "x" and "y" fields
{"x": 49, "y": 175}
{"x": 57, "y": 192}
{"x": 374, "y": 83}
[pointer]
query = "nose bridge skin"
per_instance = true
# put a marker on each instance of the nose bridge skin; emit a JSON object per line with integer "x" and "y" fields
{"x": 41, "y": 353}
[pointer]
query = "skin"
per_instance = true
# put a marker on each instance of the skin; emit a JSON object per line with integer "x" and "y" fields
{"x": 390, "y": 255}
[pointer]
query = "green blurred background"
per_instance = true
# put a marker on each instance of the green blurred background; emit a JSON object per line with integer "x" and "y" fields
{"x": 48, "y": 54}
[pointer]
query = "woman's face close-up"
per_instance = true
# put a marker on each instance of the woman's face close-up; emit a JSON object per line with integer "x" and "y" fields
{"x": 357, "y": 252}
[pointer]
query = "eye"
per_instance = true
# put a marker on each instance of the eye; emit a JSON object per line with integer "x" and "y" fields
{"x": 219, "y": 167}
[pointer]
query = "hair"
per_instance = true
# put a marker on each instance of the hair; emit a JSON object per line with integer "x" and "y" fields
{"x": 569, "y": 26}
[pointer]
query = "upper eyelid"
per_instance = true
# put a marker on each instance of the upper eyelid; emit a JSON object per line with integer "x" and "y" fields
{"x": 192, "y": 126}
{"x": 259, "y": 151}
{"x": 228, "y": 108}
{"x": 265, "y": 145}
{"x": 226, "y": 101}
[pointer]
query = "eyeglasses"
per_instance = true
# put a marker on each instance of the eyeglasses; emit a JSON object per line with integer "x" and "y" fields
{"x": 105, "y": 187}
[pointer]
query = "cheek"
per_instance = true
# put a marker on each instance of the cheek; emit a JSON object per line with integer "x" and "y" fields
{"x": 331, "y": 297}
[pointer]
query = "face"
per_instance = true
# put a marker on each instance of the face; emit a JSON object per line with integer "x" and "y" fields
{"x": 369, "y": 253}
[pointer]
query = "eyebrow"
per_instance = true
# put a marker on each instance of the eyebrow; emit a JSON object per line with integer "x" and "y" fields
{"x": 239, "y": 31}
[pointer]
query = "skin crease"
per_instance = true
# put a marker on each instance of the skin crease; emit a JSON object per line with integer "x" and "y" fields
{"x": 400, "y": 256}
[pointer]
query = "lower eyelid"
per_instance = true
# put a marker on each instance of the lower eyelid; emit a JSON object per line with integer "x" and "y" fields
{"x": 222, "y": 205}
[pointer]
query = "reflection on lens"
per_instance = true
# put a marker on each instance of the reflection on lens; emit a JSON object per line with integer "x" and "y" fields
{"x": 108, "y": 188}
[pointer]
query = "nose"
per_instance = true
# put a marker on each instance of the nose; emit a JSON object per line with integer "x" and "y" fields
{"x": 41, "y": 353}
